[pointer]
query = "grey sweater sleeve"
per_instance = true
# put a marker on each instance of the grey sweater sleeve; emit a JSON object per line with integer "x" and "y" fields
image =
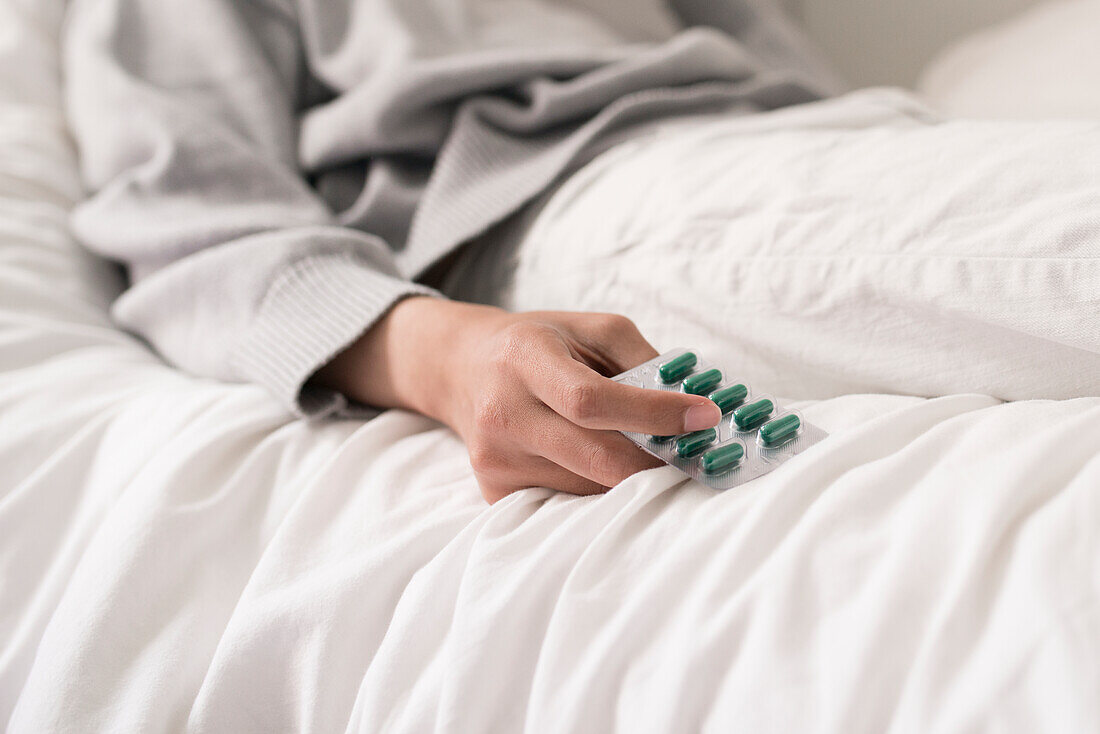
{"x": 198, "y": 127}
{"x": 187, "y": 119}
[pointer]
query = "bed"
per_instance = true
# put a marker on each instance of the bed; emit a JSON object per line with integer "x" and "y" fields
{"x": 181, "y": 555}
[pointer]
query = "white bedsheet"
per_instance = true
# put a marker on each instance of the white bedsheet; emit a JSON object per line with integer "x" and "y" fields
{"x": 178, "y": 555}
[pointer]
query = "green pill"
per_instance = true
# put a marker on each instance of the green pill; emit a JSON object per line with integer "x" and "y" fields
{"x": 780, "y": 430}
{"x": 661, "y": 439}
{"x": 677, "y": 368}
{"x": 729, "y": 398}
{"x": 749, "y": 416}
{"x": 693, "y": 443}
{"x": 723, "y": 458}
{"x": 703, "y": 383}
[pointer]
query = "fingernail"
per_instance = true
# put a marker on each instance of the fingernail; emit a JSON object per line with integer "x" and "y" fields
{"x": 702, "y": 416}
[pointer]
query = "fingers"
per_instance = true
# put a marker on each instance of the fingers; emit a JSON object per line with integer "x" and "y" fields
{"x": 536, "y": 472}
{"x": 618, "y": 340}
{"x": 577, "y": 393}
{"x": 550, "y": 475}
{"x": 506, "y": 456}
{"x": 606, "y": 458}
{"x": 549, "y": 451}
{"x": 592, "y": 458}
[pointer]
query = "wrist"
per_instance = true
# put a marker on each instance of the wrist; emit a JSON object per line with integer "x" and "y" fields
{"x": 412, "y": 357}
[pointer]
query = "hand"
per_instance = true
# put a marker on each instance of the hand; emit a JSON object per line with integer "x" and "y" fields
{"x": 529, "y": 393}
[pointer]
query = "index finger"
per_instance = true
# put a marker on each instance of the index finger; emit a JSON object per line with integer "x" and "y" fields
{"x": 586, "y": 398}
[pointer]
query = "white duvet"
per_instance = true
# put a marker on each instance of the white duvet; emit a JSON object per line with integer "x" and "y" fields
{"x": 178, "y": 555}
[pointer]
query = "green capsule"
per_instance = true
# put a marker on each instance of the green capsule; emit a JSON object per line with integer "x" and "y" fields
{"x": 703, "y": 383}
{"x": 750, "y": 416}
{"x": 723, "y": 458}
{"x": 677, "y": 368}
{"x": 661, "y": 439}
{"x": 693, "y": 443}
{"x": 729, "y": 398}
{"x": 780, "y": 430}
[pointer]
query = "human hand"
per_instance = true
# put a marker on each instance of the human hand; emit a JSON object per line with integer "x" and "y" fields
{"x": 529, "y": 393}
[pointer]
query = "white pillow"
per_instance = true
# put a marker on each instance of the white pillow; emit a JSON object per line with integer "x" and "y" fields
{"x": 1043, "y": 64}
{"x": 856, "y": 245}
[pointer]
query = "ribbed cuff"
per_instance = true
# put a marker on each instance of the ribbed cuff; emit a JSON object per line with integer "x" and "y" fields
{"x": 314, "y": 310}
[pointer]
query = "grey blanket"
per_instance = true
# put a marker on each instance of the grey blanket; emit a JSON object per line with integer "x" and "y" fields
{"x": 275, "y": 174}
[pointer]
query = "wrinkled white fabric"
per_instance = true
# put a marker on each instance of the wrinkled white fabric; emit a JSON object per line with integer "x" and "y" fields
{"x": 177, "y": 555}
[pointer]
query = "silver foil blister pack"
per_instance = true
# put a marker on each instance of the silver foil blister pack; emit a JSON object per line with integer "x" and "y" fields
{"x": 756, "y": 433}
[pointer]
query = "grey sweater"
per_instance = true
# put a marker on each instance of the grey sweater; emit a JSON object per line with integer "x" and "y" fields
{"x": 276, "y": 174}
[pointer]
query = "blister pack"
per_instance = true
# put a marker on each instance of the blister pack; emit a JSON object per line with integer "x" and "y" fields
{"x": 755, "y": 436}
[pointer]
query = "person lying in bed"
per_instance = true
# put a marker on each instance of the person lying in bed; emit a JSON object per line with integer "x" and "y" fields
{"x": 285, "y": 181}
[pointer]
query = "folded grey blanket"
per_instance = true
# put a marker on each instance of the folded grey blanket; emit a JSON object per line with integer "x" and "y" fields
{"x": 275, "y": 174}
